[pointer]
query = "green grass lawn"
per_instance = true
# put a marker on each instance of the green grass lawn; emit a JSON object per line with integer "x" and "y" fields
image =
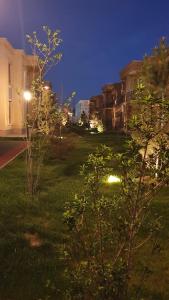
{"x": 32, "y": 272}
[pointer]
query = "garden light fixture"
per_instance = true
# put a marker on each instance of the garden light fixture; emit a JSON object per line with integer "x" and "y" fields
{"x": 113, "y": 179}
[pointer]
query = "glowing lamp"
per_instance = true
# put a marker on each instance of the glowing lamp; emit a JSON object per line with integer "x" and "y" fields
{"x": 46, "y": 87}
{"x": 113, "y": 179}
{"x": 27, "y": 95}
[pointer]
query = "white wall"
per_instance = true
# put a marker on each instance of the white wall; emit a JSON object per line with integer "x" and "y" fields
{"x": 18, "y": 61}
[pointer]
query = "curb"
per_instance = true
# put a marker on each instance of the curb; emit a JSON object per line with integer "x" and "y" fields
{"x": 11, "y": 155}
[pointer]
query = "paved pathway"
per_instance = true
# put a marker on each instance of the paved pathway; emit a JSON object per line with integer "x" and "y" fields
{"x": 9, "y": 150}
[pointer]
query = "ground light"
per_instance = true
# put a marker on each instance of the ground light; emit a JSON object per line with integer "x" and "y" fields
{"x": 113, "y": 179}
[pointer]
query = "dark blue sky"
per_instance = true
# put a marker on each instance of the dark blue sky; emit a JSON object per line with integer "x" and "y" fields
{"x": 99, "y": 36}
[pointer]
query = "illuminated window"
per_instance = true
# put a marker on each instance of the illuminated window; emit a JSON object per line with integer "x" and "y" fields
{"x": 10, "y": 112}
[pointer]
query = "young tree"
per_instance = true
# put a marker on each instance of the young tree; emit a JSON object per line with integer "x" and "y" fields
{"x": 64, "y": 111}
{"x": 105, "y": 234}
{"x": 84, "y": 121}
{"x": 42, "y": 118}
{"x": 152, "y": 96}
{"x": 155, "y": 72}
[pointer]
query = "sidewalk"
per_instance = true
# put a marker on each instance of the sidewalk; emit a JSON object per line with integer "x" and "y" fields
{"x": 10, "y": 151}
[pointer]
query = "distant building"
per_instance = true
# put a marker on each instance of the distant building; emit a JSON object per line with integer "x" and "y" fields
{"x": 113, "y": 106}
{"x": 82, "y": 106}
{"x": 16, "y": 74}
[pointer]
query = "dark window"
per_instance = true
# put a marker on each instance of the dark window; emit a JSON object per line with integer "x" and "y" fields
{"x": 10, "y": 112}
{"x": 9, "y": 74}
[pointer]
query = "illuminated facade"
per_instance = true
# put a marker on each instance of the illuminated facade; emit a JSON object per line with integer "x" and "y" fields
{"x": 113, "y": 106}
{"x": 16, "y": 74}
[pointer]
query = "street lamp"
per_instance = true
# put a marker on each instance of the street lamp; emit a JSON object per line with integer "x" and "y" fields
{"x": 27, "y": 97}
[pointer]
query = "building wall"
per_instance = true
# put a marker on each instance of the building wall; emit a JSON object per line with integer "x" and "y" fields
{"x": 82, "y": 105}
{"x": 14, "y": 65}
{"x": 129, "y": 76}
{"x": 113, "y": 106}
{"x": 112, "y": 111}
{"x": 96, "y": 106}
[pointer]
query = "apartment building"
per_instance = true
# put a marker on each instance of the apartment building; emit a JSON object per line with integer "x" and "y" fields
{"x": 112, "y": 115}
{"x": 113, "y": 106}
{"x": 96, "y": 106}
{"x": 16, "y": 74}
{"x": 129, "y": 76}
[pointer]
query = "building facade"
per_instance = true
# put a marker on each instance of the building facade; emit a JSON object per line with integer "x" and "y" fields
{"x": 112, "y": 98}
{"x": 113, "y": 106}
{"x": 81, "y": 106}
{"x": 96, "y": 106}
{"x": 129, "y": 76}
{"x": 16, "y": 74}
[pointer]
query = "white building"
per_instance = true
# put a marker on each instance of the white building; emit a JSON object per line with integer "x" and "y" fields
{"x": 82, "y": 106}
{"x": 16, "y": 74}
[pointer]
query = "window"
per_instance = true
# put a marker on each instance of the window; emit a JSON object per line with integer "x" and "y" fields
{"x": 25, "y": 79}
{"x": 9, "y": 112}
{"x": 9, "y": 95}
{"x": 9, "y": 74}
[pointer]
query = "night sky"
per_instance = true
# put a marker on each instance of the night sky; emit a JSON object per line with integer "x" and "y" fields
{"x": 99, "y": 36}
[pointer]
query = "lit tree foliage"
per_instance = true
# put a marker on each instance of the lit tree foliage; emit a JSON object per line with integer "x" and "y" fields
{"x": 84, "y": 121}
